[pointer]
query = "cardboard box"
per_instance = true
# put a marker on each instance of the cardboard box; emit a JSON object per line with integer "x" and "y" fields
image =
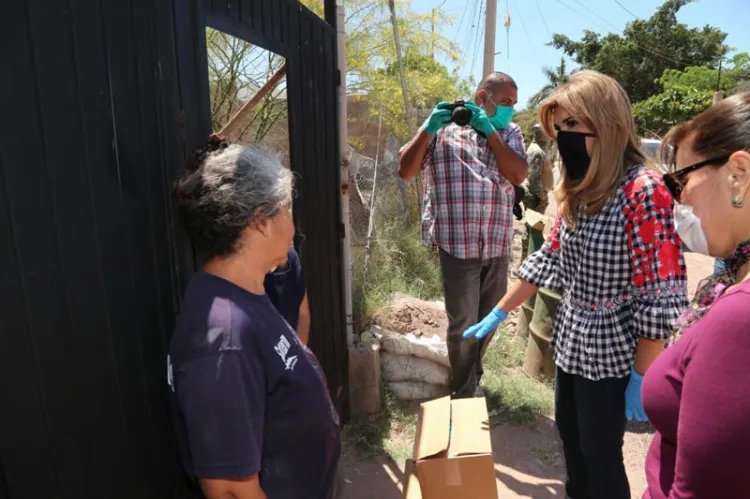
{"x": 452, "y": 452}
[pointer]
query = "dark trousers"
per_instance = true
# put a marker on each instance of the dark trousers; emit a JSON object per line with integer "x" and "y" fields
{"x": 590, "y": 417}
{"x": 471, "y": 288}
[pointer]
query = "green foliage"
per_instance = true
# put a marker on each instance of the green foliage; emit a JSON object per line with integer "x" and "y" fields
{"x": 646, "y": 49}
{"x": 526, "y": 119}
{"x": 372, "y": 64}
{"x": 512, "y": 397}
{"x": 398, "y": 263}
{"x": 555, "y": 77}
{"x": 236, "y": 70}
{"x": 687, "y": 93}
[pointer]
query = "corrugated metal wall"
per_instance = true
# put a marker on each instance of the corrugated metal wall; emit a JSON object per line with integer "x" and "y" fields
{"x": 309, "y": 44}
{"x": 100, "y": 103}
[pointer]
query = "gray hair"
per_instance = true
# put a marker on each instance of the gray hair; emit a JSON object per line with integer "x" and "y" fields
{"x": 230, "y": 189}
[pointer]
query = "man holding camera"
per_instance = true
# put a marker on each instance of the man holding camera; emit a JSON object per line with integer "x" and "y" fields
{"x": 468, "y": 210}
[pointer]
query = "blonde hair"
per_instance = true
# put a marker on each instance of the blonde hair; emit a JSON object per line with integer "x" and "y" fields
{"x": 599, "y": 102}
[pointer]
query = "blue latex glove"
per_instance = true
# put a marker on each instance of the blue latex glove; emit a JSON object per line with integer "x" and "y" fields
{"x": 487, "y": 325}
{"x": 479, "y": 119}
{"x": 439, "y": 118}
{"x": 633, "y": 401}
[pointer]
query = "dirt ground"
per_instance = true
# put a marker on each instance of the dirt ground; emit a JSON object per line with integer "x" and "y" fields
{"x": 406, "y": 314}
{"x": 528, "y": 462}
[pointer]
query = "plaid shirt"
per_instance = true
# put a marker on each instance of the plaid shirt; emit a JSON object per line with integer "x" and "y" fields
{"x": 468, "y": 203}
{"x": 622, "y": 276}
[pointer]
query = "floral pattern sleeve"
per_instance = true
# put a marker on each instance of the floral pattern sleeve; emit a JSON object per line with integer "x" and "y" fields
{"x": 541, "y": 268}
{"x": 659, "y": 274}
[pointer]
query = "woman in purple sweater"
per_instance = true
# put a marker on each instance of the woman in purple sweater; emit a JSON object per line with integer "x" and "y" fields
{"x": 697, "y": 393}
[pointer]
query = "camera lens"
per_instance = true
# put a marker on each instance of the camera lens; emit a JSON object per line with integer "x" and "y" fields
{"x": 461, "y": 116}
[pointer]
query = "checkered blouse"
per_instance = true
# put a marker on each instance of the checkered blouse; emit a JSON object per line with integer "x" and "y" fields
{"x": 468, "y": 203}
{"x": 621, "y": 274}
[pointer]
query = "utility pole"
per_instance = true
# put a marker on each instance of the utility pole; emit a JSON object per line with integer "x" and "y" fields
{"x": 489, "y": 37}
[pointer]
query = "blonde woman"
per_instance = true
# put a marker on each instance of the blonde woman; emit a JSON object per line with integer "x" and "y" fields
{"x": 615, "y": 257}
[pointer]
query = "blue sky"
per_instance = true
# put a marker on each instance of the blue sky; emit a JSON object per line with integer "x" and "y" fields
{"x": 528, "y": 50}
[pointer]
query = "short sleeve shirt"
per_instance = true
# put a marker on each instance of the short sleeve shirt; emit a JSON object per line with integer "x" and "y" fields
{"x": 247, "y": 396}
{"x": 285, "y": 288}
{"x": 468, "y": 203}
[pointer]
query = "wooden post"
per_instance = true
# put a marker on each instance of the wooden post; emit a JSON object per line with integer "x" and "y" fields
{"x": 490, "y": 22}
{"x": 246, "y": 108}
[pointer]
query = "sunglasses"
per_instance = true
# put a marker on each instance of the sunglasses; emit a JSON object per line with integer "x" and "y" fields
{"x": 675, "y": 181}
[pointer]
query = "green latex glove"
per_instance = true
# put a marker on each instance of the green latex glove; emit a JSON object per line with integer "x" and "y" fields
{"x": 440, "y": 118}
{"x": 479, "y": 119}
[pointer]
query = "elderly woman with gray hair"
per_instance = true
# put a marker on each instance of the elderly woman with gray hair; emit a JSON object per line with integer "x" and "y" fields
{"x": 251, "y": 409}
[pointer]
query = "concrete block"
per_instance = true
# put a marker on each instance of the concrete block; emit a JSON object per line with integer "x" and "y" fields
{"x": 365, "y": 396}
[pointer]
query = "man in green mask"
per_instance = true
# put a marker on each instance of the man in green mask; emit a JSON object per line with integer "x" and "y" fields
{"x": 468, "y": 211}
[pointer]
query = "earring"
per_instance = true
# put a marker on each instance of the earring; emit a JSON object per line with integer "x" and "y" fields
{"x": 738, "y": 203}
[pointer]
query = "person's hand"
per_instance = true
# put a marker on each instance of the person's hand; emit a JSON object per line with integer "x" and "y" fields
{"x": 487, "y": 325}
{"x": 479, "y": 119}
{"x": 439, "y": 118}
{"x": 633, "y": 402}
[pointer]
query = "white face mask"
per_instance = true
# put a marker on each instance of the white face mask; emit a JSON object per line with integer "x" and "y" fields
{"x": 689, "y": 229}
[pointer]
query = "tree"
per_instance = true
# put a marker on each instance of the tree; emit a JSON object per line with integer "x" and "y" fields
{"x": 526, "y": 119}
{"x": 236, "y": 70}
{"x": 687, "y": 93}
{"x": 555, "y": 77}
{"x": 428, "y": 82}
{"x": 646, "y": 49}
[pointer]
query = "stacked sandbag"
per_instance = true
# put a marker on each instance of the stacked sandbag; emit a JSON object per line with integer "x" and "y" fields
{"x": 413, "y": 367}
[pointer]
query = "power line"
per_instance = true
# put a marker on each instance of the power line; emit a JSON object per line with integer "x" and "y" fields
{"x": 480, "y": 31}
{"x": 625, "y": 9}
{"x": 678, "y": 60}
{"x": 460, "y": 23}
{"x": 579, "y": 14}
{"x": 596, "y": 15}
{"x": 669, "y": 57}
{"x": 541, "y": 14}
{"x": 467, "y": 38}
{"x": 528, "y": 38}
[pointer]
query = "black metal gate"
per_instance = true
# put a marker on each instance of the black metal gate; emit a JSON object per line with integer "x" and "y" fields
{"x": 99, "y": 106}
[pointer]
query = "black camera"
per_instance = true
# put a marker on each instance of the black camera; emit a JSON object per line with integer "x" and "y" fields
{"x": 460, "y": 114}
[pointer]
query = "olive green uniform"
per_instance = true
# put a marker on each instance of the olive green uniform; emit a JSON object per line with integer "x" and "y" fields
{"x": 536, "y": 196}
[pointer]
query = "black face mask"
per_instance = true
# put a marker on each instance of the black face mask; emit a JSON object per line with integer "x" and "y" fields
{"x": 572, "y": 147}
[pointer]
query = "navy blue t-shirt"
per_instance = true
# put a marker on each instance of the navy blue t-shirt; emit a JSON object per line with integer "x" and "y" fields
{"x": 286, "y": 288}
{"x": 248, "y": 397}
